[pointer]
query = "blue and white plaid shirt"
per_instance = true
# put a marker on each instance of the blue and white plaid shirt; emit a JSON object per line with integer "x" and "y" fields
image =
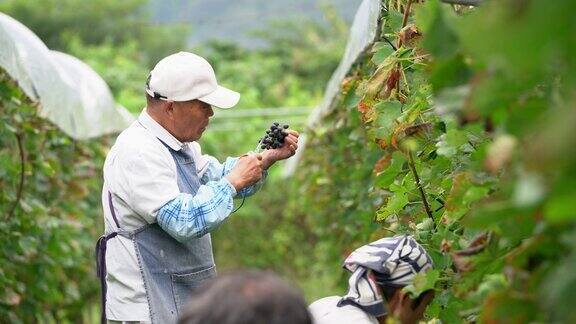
{"x": 188, "y": 216}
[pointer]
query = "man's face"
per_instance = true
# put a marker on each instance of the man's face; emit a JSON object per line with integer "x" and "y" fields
{"x": 189, "y": 119}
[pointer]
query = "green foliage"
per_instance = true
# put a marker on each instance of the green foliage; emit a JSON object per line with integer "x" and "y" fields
{"x": 50, "y": 219}
{"x": 423, "y": 281}
{"x": 462, "y": 138}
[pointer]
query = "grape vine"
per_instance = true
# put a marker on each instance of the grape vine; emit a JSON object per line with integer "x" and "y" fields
{"x": 49, "y": 204}
{"x": 459, "y": 118}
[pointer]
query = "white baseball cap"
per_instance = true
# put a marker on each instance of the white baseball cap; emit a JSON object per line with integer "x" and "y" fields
{"x": 186, "y": 76}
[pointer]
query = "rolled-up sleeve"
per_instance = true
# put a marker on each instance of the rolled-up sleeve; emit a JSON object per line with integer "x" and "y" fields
{"x": 191, "y": 216}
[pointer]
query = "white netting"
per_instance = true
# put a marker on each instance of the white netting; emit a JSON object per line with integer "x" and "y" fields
{"x": 70, "y": 93}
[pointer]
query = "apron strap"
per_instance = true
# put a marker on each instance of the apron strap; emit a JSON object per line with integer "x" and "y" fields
{"x": 101, "y": 258}
{"x": 101, "y": 269}
{"x": 112, "y": 210}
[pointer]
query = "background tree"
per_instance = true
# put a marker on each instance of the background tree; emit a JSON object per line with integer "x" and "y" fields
{"x": 97, "y": 22}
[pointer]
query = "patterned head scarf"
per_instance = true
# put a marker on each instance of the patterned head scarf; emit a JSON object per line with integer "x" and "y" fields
{"x": 391, "y": 261}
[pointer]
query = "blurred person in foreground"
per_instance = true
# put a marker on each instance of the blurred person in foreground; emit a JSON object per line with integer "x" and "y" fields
{"x": 162, "y": 197}
{"x": 379, "y": 272}
{"x": 246, "y": 297}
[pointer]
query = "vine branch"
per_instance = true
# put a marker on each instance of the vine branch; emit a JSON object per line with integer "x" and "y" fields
{"x": 21, "y": 184}
{"x": 406, "y": 14}
{"x": 422, "y": 193}
{"x": 390, "y": 43}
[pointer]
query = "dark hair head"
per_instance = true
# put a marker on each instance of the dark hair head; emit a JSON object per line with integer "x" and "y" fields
{"x": 246, "y": 297}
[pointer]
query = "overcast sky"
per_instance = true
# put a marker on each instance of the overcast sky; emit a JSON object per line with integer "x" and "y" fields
{"x": 233, "y": 20}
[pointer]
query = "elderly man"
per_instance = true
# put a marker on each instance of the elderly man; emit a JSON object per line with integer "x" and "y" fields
{"x": 379, "y": 272}
{"x": 162, "y": 197}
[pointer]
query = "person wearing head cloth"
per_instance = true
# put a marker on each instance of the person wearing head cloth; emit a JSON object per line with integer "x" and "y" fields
{"x": 162, "y": 197}
{"x": 379, "y": 272}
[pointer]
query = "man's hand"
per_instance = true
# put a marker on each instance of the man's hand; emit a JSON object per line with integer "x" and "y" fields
{"x": 285, "y": 151}
{"x": 247, "y": 171}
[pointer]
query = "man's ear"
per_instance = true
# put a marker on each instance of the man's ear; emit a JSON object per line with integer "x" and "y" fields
{"x": 169, "y": 108}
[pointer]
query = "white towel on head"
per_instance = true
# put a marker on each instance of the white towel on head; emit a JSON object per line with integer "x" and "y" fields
{"x": 391, "y": 261}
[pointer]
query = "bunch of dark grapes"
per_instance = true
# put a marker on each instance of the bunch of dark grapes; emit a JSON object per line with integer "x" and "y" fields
{"x": 274, "y": 137}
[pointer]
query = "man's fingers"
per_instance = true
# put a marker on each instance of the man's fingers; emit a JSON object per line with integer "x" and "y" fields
{"x": 294, "y": 147}
{"x": 259, "y": 157}
{"x": 293, "y": 132}
{"x": 291, "y": 140}
{"x": 295, "y": 137}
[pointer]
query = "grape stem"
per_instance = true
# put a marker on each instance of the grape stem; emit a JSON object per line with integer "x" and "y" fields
{"x": 258, "y": 148}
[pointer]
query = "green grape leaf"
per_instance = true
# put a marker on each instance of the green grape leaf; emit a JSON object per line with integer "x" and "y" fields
{"x": 423, "y": 281}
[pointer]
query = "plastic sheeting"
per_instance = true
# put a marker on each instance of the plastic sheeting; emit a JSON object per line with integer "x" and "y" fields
{"x": 98, "y": 113}
{"x": 362, "y": 35}
{"x": 71, "y": 95}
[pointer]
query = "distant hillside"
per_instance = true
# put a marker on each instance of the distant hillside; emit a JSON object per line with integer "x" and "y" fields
{"x": 233, "y": 20}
